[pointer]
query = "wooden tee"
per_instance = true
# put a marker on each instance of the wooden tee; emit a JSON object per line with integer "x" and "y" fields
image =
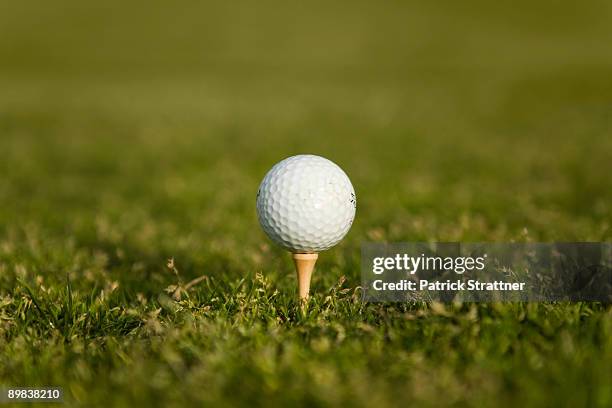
{"x": 304, "y": 265}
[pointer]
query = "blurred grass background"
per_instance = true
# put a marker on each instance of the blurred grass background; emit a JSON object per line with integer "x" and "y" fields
{"x": 135, "y": 132}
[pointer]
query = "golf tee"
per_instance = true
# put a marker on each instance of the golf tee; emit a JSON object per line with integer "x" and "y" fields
{"x": 304, "y": 265}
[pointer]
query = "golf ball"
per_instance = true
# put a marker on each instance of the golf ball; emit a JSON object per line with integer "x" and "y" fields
{"x": 306, "y": 204}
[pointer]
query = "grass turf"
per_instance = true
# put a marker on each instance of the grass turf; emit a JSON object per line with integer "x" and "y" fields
{"x": 131, "y": 137}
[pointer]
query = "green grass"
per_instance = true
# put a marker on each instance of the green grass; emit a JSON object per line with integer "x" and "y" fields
{"x": 130, "y": 136}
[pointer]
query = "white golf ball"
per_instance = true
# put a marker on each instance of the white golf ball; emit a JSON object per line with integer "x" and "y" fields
{"x": 306, "y": 204}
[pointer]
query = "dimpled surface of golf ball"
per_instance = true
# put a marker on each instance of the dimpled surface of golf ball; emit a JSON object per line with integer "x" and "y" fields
{"x": 306, "y": 204}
